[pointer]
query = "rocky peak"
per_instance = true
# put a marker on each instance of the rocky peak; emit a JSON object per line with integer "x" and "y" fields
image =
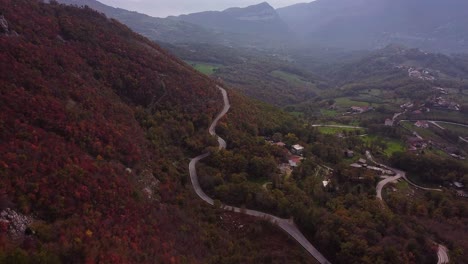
{"x": 262, "y": 11}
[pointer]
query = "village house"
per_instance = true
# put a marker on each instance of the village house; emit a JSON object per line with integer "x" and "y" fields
{"x": 280, "y": 144}
{"x": 359, "y": 109}
{"x": 458, "y": 185}
{"x": 388, "y": 122}
{"x": 297, "y": 149}
{"x": 416, "y": 143}
{"x": 407, "y": 105}
{"x": 349, "y": 153}
{"x": 422, "y": 124}
{"x": 294, "y": 161}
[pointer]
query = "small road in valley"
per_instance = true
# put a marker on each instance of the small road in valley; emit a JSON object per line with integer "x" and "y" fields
{"x": 435, "y": 121}
{"x": 286, "y": 224}
{"x": 442, "y": 251}
{"x": 384, "y": 182}
{"x": 399, "y": 173}
{"x": 338, "y": 126}
{"x": 442, "y": 255}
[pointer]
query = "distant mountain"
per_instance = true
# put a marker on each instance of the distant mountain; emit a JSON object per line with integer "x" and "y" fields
{"x": 256, "y": 25}
{"x": 368, "y": 24}
{"x": 158, "y": 29}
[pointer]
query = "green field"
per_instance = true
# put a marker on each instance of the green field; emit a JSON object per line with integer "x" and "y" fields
{"x": 328, "y": 113}
{"x": 203, "y": 67}
{"x": 392, "y": 145}
{"x": 334, "y": 130}
{"x": 290, "y": 78}
{"x": 346, "y": 102}
{"x": 297, "y": 114}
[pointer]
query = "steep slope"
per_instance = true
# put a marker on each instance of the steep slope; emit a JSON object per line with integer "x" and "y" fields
{"x": 95, "y": 126}
{"x": 433, "y": 25}
{"x": 255, "y": 25}
{"x": 158, "y": 29}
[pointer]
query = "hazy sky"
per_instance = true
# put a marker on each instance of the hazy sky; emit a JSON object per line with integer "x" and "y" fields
{"x": 163, "y": 8}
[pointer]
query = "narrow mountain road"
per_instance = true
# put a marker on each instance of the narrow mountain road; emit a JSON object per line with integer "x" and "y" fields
{"x": 400, "y": 173}
{"x": 442, "y": 255}
{"x": 338, "y": 126}
{"x": 442, "y": 252}
{"x": 435, "y": 121}
{"x": 287, "y": 225}
{"x": 384, "y": 182}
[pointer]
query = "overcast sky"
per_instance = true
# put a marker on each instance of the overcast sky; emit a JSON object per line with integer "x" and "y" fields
{"x": 163, "y": 8}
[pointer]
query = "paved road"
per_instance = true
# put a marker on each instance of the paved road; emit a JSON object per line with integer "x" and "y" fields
{"x": 398, "y": 172}
{"x": 384, "y": 182}
{"x": 442, "y": 255}
{"x": 442, "y": 250}
{"x": 435, "y": 121}
{"x": 337, "y": 126}
{"x": 287, "y": 225}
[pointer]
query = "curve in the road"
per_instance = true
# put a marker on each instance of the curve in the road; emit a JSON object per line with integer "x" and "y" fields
{"x": 287, "y": 225}
{"x": 442, "y": 255}
{"x": 384, "y": 182}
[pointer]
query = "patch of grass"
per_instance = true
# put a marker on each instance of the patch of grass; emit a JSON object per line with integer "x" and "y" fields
{"x": 290, "y": 78}
{"x": 402, "y": 186}
{"x": 297, "y": 114}
{"x": 347, "y": 102}
{"x": 392, "y": 145}
{"x": 205, "y": 68}
{"x": 328, "y": 113}
{"x": 333, "y": 130}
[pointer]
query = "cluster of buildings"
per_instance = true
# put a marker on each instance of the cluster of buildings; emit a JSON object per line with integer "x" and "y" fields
{"x": 362, "y": 164}
{"x": 359, "y": 109}
{"x": 422, "y": 124}
{"x": 416, "y": 143}
{"x": 439, "y": 102}
{"x": 422, "y": 74}
{"x": 459, "y": 189}
{"x": 294, "y": 155}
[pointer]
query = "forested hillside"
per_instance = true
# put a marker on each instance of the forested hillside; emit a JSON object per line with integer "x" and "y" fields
{"x": 96, "y": 125}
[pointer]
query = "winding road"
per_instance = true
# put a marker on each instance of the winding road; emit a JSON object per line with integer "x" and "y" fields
{"x": 338, "y": 126}
{"x": 287, "y": 225}
{"x": 442, "y": 255}
{"x": 398, "y": 174}
{"x": 442, "y": 251}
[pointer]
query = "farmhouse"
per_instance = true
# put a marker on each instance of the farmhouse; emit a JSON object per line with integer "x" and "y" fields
{"x": 388, "y": 122}
{"x": 422, "y": 124}
{"x": 458, "y": 185}
{"x": 349, "y": 153}
{"x": 294, "y": 161}
{"x": 297, "y": 149}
